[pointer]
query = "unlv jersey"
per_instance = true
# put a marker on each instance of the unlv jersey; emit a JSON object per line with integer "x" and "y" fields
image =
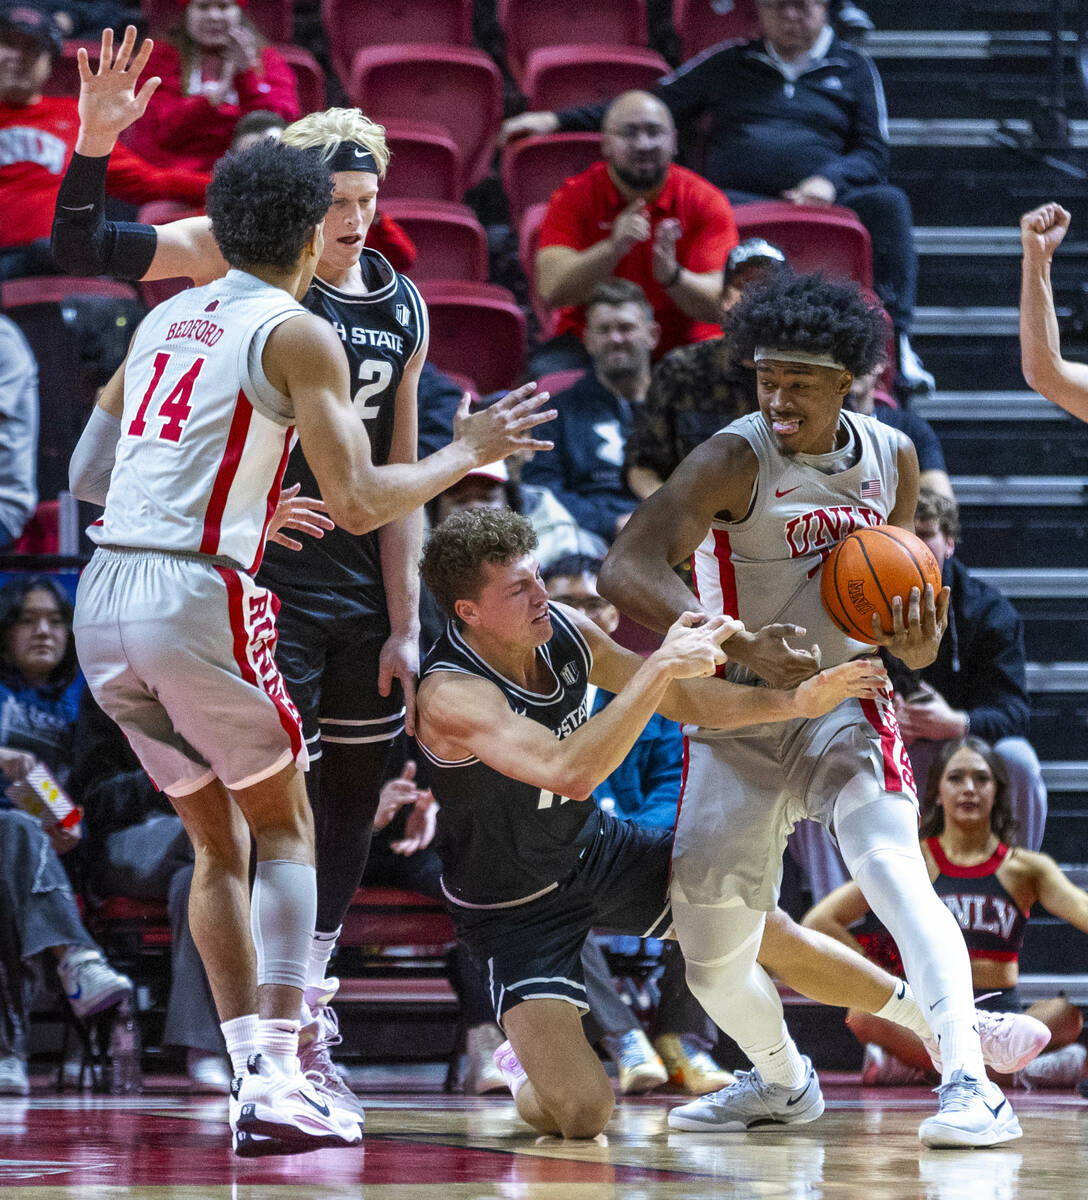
{"x": 765, "y": 568}
{"x": 502, "y": 841}
{"x": 204, "y": 436}
{"x": 381, "y": 331}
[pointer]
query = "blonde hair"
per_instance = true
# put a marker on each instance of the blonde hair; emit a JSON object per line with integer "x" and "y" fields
{"x": 326, "y": 130}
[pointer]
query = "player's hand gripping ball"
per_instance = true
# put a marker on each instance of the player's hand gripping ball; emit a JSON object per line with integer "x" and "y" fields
{"x": 867, "y": 569}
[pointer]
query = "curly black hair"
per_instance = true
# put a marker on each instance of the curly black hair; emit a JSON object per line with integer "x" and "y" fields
{"x": 812, "y": 313}
{"x": 264, "y": 203}
{"x": 13, "y": 596}
{"x": 457, "y": 550}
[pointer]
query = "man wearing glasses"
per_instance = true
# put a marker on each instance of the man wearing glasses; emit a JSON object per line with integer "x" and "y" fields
{"x": 635, "y": 215}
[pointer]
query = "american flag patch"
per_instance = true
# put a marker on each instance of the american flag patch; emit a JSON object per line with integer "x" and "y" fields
{"x": 870, "y": 489}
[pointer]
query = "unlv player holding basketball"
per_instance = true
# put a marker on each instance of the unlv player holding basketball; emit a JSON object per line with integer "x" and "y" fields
{"x": 187, "y": 448}
{"x": 348, "y": 622}
{"x": 760, "y": 505}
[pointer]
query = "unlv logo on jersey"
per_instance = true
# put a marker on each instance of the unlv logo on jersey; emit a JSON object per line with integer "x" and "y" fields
{"x": 403, "y": 314}
{"x": 816, "y": 531}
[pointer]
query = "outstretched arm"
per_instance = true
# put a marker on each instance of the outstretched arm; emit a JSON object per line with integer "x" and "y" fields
{"x": 1065, "y": 383}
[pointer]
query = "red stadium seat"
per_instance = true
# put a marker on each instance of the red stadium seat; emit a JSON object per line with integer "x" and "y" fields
{"x": 41, "y": 534}
{"x": 424, "y": 164}
{"x": 466, "y": 383}
{"x": 558, "y": 381}
{"x": 530, "y": 24}
{"x": 309, "y": 77}
{"x": 528, "y": 241}
{"x": 449, "y": 239}
{"x": 532, "y": 168}
{"x": 64, "y": 78}
{"x": 457, "y": 87}
{"x": 832, "y": 240}
{"x": 564, "y": 76}
{"x": 477, "y": 329}
{"x": 274, "y": 18}
{"x": 354, "y": 25}
{"x": 703, "y": 23}
{"x": 162, "y": 212}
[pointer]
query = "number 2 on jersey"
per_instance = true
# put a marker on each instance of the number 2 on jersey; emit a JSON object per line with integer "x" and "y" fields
{"x": 374, "y": 375}
{"x": 175, "y": 409}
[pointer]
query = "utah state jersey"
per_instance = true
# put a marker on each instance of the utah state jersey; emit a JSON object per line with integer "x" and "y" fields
{"x": 502, "y": 841}
{"x": 381, "y": 331}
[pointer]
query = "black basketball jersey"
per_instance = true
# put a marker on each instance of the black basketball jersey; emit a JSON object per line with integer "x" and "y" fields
{"x": 381, "y": 331}
{"x": 501, "y": 841}
{"x": 993, "y": 927}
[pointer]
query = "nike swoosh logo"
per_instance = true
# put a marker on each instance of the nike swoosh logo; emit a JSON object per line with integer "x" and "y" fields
{"x": 82, "y": 208}
{"x": 323, "y": 1109}
{"x": 995, "y": 1111}
{"x": 786, "y": 492}
{"x": 936, "y": 1002}
{"x": 76, "y": 994}
{"x": 798, "y": 1099}
{"x": 361, "y": 153}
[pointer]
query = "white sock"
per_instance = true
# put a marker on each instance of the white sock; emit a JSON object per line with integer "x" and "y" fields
{"x": 781, "y": 1065}
{"x": 902, "y": 1009}
{"x": 321, "y": 947}
{"x": 960, "y": 1049}
{"x": 277, "y": 1040}
{"x": 240, "y": 1034}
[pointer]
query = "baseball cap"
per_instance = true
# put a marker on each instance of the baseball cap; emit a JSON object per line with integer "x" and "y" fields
{"x": 496, "y": 471}
{"x": 34, "y": 22}
{"x": 752, "y": 251}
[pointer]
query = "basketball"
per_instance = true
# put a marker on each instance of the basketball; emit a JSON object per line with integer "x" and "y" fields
{"x": 866, "y": 570}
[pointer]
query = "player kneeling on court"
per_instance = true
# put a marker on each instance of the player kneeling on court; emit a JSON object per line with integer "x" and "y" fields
{"x": 529, "y": 866}
{"x": 186, "y": 448}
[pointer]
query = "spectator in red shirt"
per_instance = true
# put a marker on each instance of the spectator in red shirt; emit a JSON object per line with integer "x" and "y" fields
{"x": 215, "y": 67}
{"x": 637, "y": 216}
{"x": 37, "y": 135}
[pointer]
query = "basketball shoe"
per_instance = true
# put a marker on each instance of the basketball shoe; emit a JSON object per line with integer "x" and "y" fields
{"x": 880, "y": 1066}
{"x": 690, "y": 1066}
{"x": 510, "y": 1066}
{"x": 1009, "y": 1040}
{"x": 314, "y": 1043}
{"x": 284, "y": 1106}
{"x": 1062, "y": 1068}
{"x": 636, "y": 1060}
{"x": 482, "y": 1075}
{"x": 972, "y": 1112}
{"x": 750, "y": 1103}
{"x": 89, "y": 982}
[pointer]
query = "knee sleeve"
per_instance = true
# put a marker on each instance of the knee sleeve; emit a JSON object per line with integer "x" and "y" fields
{"x": 282, "y": 915}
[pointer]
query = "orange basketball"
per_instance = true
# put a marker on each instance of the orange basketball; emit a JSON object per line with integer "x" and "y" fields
{"x": 867, "y": 569}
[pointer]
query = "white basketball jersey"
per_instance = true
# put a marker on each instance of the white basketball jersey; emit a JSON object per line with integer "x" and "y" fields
{"x": 204, "y": 435}
{"x": 766, "y": 568}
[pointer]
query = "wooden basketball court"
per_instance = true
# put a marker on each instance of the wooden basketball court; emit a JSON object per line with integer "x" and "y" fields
{"x": 423, "y": 1145}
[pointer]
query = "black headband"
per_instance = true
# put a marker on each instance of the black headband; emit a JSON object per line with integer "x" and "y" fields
{"x": 349, "y": 156}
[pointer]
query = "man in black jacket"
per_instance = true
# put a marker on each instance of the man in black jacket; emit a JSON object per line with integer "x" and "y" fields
{"x": 798, "y": 114}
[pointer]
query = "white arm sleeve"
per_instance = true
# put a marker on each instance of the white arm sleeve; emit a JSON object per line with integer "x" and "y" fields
{"x": 92, "y": 459}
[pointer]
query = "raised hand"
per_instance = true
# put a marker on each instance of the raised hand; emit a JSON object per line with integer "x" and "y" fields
{"x": 915, "y": 639}
{"x": 503, "y": 427}
{"x": 1042, "y": 230}
{"x": 630, "y": 227}
{"x": 527, "y": 124}
{"x": 109, "y": 101}
{"x": 862, "y": 679}
{"x": 303, "y": 513}
{"x": 666, "y": 235}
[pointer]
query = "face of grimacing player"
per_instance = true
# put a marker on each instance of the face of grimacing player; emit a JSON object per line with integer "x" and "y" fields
{"x": 354, "y": 200}
{"x": 801, "y": 403}
{"x": 511, "y": 607}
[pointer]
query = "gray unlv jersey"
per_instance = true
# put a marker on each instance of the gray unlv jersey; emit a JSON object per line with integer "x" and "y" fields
{"x": 766, "y": 568}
